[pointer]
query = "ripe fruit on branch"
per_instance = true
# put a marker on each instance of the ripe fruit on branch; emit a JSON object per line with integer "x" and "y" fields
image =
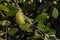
{"x": 20, "y": 20}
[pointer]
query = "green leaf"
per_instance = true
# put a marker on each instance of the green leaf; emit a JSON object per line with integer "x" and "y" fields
{"x": 1, "y": 38}
{"x": 39, "y": 1}
{"x": 37, "y": 35}
{"x": 13, "y": 10}
{"x": 24, "y": 1}
{"x": 4, "y": 8}
{"x": 41, "y": 18}
{"x": 8, "y": 0}
{"x": 31, "y": 1}
{"x": 12, "y": 31}
{"x": 52, "y": 38}
{"x": 1, "y": 33}
{"x": 52, "y": 32}
{"x": 46, "y": 29}
{"x": 55, "y": 13}
{"x": 43, "y": 28}
{"x": 5, "y": 23}
{"x": 20, "y": 1}
{"x": 1, "y": 0}
{"x": 46, "y": 37}
{"x": 26, "y": 26}
{"x": 55, "y": 2}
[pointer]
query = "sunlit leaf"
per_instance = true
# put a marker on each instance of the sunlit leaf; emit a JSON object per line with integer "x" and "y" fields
{"x": 4, "y": 8}
{"x": 26, "y": 26}
{"x": 55, "y": 13}
{"x": 22, "y": 1}
{"x": 31, "y": 1}
{"x": 13, "y": 10}
{"x": 1, "y": 33}
{"x": 12, "y": 31}
{"x": 43, "y": 28}
{"x": 8, "y": 0}
{"x": 4, "y": 23}
{"x": 55, "y": 2}
{"x": 41, "y": 18}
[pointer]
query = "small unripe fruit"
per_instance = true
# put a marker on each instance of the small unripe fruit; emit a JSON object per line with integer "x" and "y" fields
{"x": 20, "y": 20}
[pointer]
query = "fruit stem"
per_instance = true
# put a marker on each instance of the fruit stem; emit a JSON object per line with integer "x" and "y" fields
{"x": 16, "y": 3}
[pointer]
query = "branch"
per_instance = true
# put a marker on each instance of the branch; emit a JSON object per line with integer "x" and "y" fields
{"x": 6, "y": 33}
{"x": 2, "y": 14}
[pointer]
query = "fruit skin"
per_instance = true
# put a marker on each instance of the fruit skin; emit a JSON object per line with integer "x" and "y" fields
{"x": 20, "y": 20}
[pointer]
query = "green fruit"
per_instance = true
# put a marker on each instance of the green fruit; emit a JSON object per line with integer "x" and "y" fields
{"x": 20, "y": 20}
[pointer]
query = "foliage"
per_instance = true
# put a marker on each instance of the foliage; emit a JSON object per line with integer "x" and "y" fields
{"x": 39, "y": 16}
